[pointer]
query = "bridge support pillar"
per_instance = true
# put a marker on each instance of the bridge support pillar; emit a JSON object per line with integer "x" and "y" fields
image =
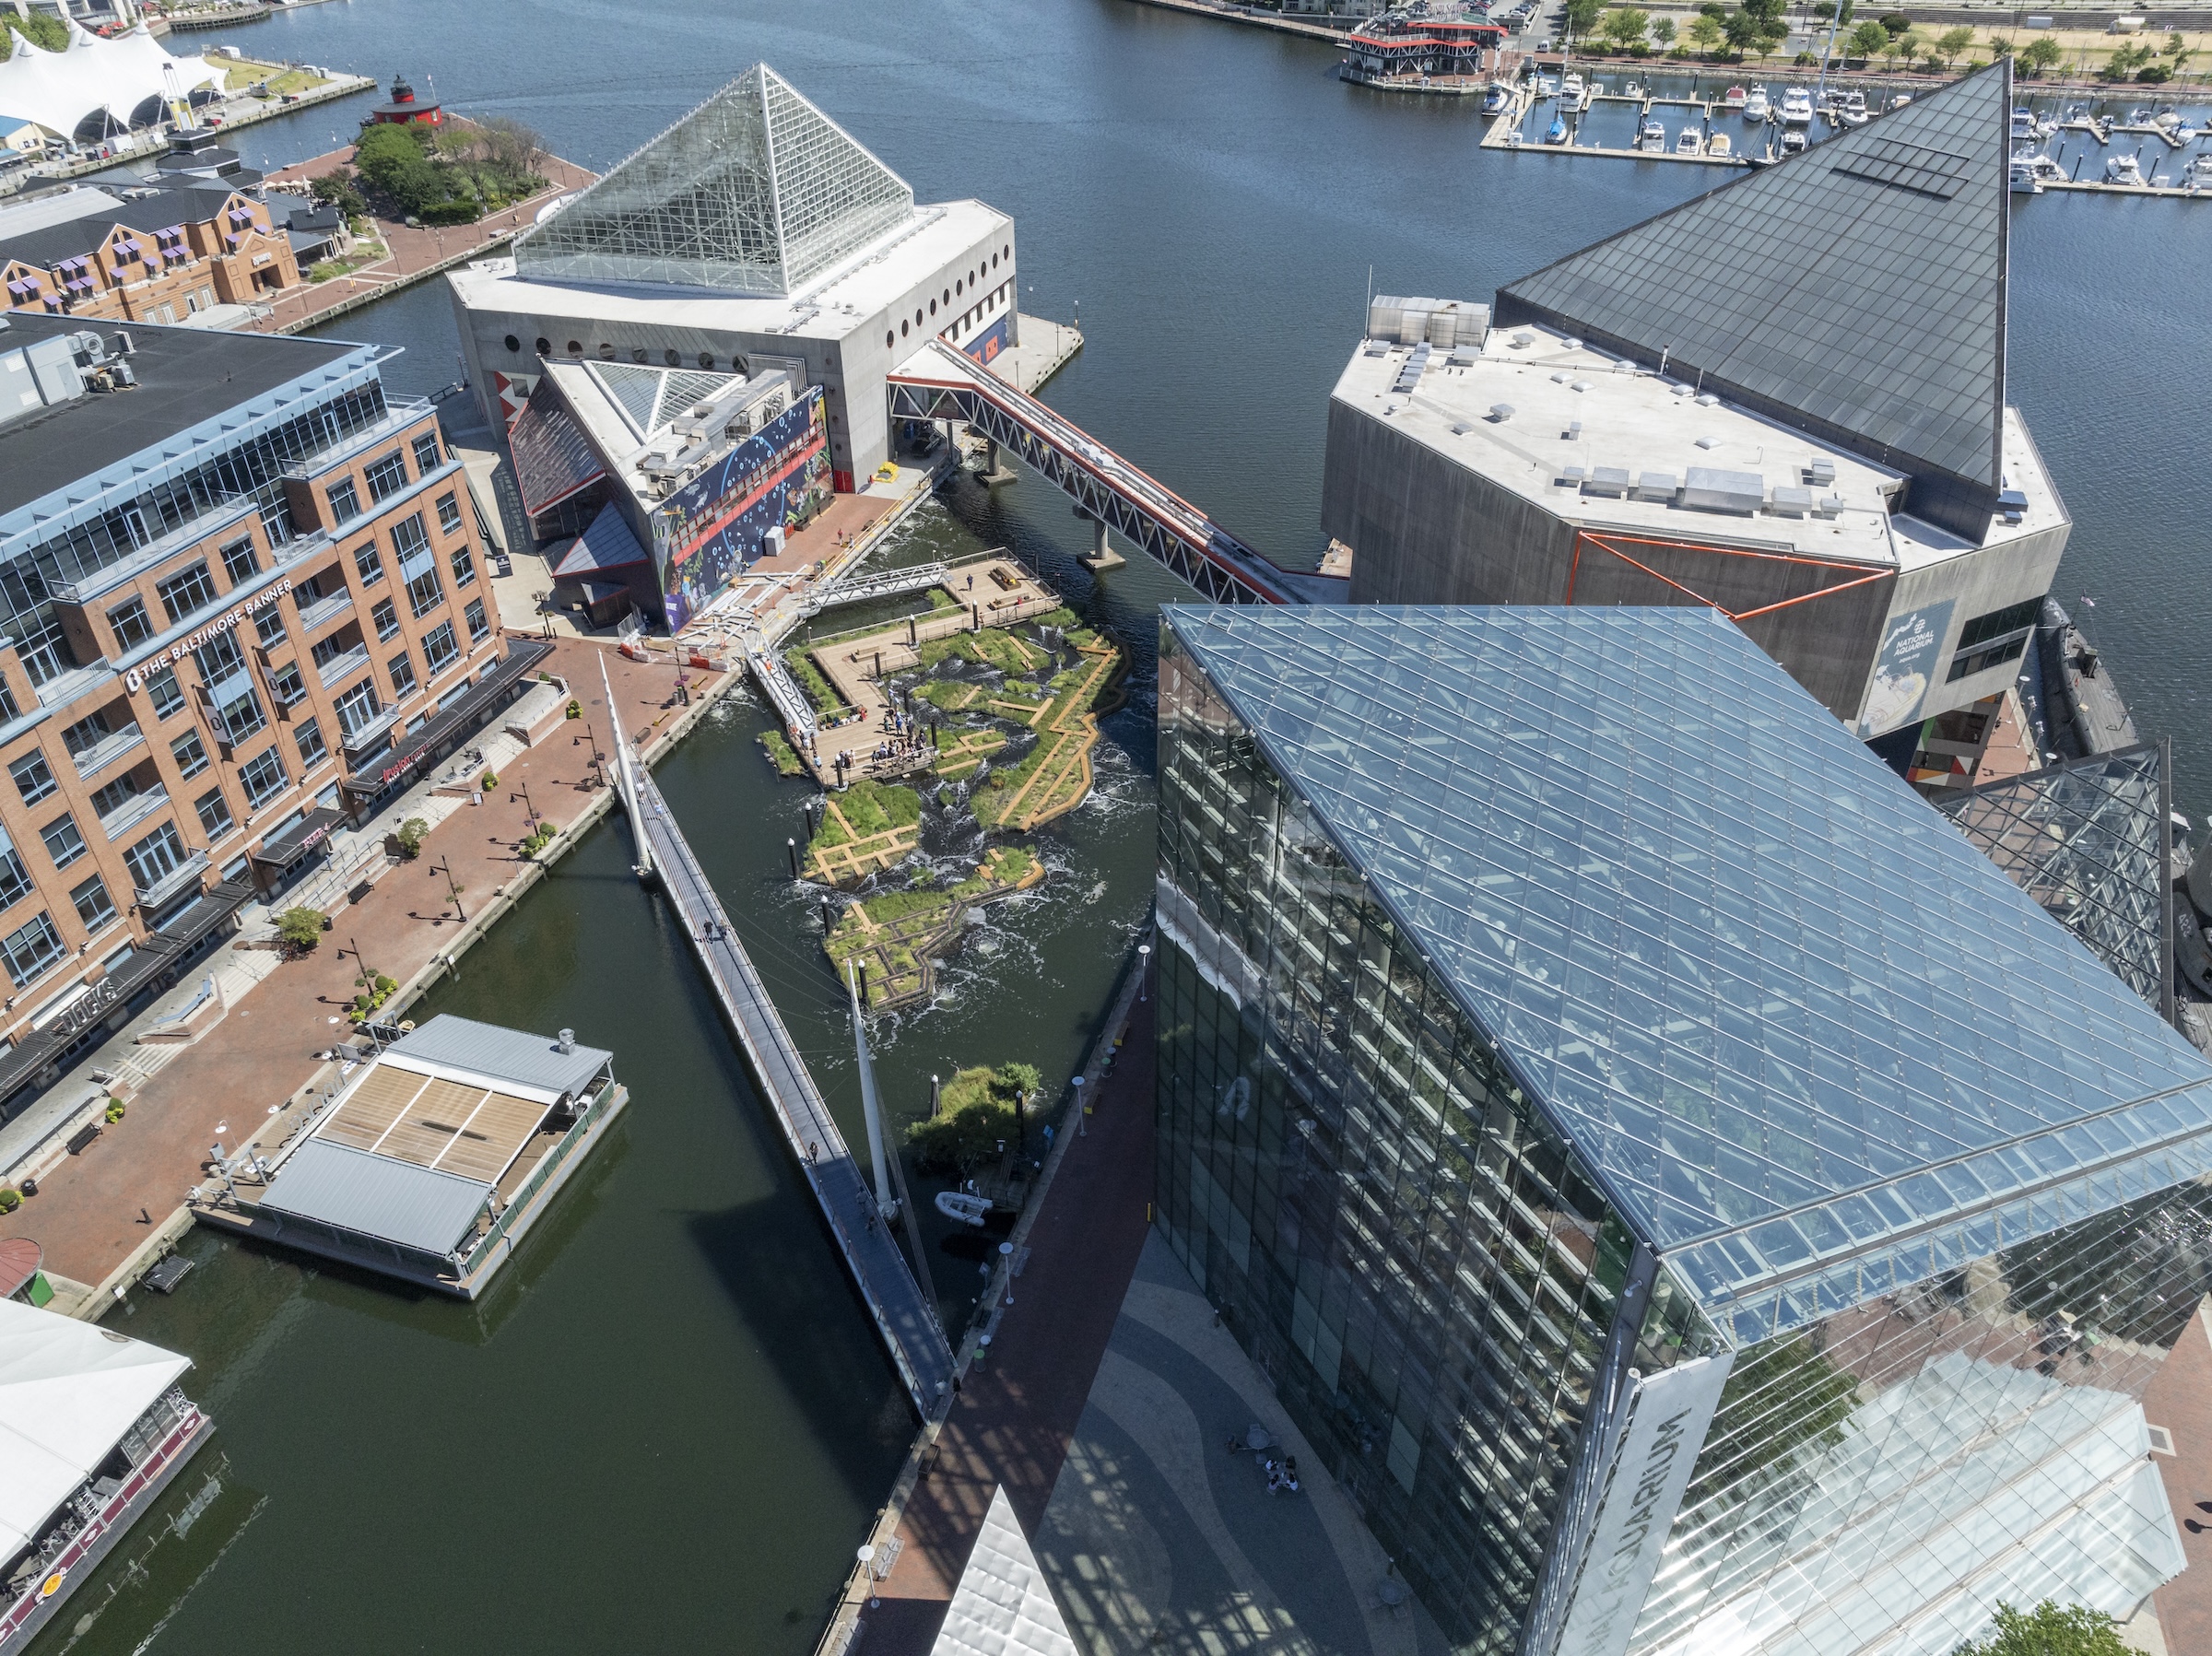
{"x": 996, "y": 471}
{"x": 1102, "y": 554}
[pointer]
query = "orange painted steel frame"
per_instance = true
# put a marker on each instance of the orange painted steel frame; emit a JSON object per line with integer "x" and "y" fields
{"x": 1613, "y": 544}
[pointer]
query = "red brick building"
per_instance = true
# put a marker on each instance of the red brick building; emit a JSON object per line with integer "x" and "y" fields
{"x": 166, "y": 256}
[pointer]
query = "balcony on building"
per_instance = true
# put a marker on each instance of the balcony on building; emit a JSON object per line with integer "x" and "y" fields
{"x": 130, "y": 802}
{"x": 370, "y": 734}
{"x": 95, "y": 742}
{"x": 173, "y": 883}
{"x": 318, "y": 610}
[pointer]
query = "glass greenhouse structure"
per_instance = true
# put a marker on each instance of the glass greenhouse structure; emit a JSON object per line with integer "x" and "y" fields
{"x": 1693, "y": 1198}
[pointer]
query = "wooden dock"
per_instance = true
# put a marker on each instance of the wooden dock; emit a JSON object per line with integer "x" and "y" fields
{"x": 902, "y": 1308}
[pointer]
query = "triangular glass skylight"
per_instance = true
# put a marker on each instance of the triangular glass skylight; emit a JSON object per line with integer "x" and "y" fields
{"x": 651, "y": 397}
{"x": 755, "y": 192}
{"x": 1855, "y": 290}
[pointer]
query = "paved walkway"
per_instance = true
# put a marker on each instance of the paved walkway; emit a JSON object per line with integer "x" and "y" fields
{"x": 1159, "y": 1539}
{"x": 2179, "y": 1399}
{"x": 87, "y": 1214}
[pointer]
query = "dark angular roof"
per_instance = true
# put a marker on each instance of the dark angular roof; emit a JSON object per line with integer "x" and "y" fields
{"x": 189, "y": 203}
{"x": 1856, "y": 291}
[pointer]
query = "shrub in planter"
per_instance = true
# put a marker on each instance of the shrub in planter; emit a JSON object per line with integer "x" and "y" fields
{"x": 11, "y": 1200}
{"x": 489, "y": 781}
{"x": 115, "y": 1111}
{"x": 410, "y": 836}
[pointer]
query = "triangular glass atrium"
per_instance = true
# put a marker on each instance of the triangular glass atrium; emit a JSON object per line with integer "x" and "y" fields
{"x": 754, "y": 192}
{"x": 1855, "y": 291}
{"x": 2089, "y": 841}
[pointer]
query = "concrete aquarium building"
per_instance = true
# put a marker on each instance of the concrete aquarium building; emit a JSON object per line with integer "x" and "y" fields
{"x": 1690, "y": 1197}
{"x": 1784, "y": 400}
{"x": 755, "y": 237}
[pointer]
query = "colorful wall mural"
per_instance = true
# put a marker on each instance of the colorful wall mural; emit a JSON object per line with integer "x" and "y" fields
{"x": 714, "y": 526}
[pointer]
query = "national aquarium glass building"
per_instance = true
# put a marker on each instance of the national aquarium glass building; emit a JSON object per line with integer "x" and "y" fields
{"x": 1692, "y": 1199}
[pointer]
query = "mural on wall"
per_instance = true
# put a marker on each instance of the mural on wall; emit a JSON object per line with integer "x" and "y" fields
{"x": 714, "y": 525}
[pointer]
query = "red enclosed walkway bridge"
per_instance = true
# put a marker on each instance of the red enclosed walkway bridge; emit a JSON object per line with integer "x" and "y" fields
{"x": 941, "y": 383}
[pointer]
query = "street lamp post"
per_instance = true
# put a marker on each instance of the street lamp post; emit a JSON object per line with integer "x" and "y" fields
{"x": 1143, "y": 966}
{"x": 452, "y": 886}
{"x": 1082, "y": 1121}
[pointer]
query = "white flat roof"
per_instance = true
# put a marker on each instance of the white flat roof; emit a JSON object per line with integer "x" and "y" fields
{"x": 852, "y": 295}
{"x": 68, "y": 1392}
{"x": 1636, "y": 421}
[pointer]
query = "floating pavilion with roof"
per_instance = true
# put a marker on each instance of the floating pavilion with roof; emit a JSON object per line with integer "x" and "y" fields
{"x": 1784, "y": 400}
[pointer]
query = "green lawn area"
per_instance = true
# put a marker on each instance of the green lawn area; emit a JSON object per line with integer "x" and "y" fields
{"x": 874, "y": 808}
{"x": 992, "y": 646}
{"x": 781, "y": 754}
{"x": 245, "y": 74}
{"x": 817, "y": 688}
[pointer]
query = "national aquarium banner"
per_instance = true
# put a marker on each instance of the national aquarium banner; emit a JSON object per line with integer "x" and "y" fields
{"x": 709, "y": 529}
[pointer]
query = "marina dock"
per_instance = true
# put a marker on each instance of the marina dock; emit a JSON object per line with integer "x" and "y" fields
{"x": 900, "y": 1307}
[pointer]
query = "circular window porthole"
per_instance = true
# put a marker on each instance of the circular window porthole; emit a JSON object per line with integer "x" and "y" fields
{"x": 607, "y": 351}
{"x": 514, "y": 344}
{"x": 903, "y": 330}
{"x": 672, "y": 356}
{"x": 932, "y": 307}
{"x": 636, "y": 353}
{"x": 948, "y": 296}
{"x": 994, "y": 261}
{"x": 575, "y": 349}
{"x": 957, "y": 289}
{"x": 544, "y": 347}
{"x": 1010, "y": 250}
{"x": 889, "y": 339}
{"x": 917, "y": 319}
{"x": 706, "y": 359}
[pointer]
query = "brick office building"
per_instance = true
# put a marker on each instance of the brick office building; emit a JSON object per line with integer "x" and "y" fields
{"x": 243, "y": 598}
{"x": 166, "y": 256}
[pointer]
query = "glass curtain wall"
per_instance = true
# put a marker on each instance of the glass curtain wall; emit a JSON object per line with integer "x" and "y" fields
{"x": 1880, "y": 1480}
{"x": 1419, "y": 1266}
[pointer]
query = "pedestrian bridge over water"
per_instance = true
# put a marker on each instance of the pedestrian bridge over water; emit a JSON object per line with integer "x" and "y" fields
{"x": 941, "y": 383}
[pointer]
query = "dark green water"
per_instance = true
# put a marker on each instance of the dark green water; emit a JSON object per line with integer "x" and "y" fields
{"x": 671, "y": 1425}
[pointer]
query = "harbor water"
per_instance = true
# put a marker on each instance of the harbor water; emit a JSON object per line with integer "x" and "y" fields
{"x": 670, "y": 1424}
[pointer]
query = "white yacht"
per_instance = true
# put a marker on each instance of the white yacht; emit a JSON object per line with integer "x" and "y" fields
{"x": 1690, "y": 141}
{"x": 1797, "y": 107}
{"x": 1652, "y": 138}
{"x": 1855, "y": 112}
{"x": 2023, "y": 126}
{"x": 1792, "y": 139}
{"x": 2024, "y": 181}
{"x": 1756, "y": 107}
{"x": 2123, "y": 169}
{"x": 1571, "y": 95}
{"x": 1719, "y": 144}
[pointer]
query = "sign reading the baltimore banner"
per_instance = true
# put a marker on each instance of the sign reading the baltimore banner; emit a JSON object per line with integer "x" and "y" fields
{"x": 709, "y": 529}
{"x": 1905, "y": 668}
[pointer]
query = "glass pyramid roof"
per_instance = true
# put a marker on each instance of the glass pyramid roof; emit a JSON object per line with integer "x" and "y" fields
{"x": 755, "y": 192}
{"x": 651, "y": 397}
{"x": 2089, "y": 841}
{"x": 1811, "y": 1042}
{"x": 1856, "y": 289}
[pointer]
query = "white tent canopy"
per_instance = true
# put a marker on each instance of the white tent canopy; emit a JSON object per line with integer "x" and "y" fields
{"x": 1003, "y": 1606}
{"x": 61, "y": 90}
{"x": 69, "y": 1393}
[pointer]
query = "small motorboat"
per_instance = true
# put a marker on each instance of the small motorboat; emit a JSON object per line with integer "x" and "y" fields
{"x": 1571, "y": 95}
{"x": 1900, "y": 101}
{"x": 2023, "y": 126}
{"x": 1512, "y": 139}
{"x": 1797, "y": 107}
{"x": 1557, "y": 132}
{"x": 2123, "y": 171}
{"x": 963, "y": 1207}
{"x": 2198, "y": 174}
{"x": 1547, "y": 87}
{"x": 1496, "y": 96}
{"x": 1734, "y": 99}
{"x": 1631, "y": 91}
{"x": 1690, "y": 141}
{"x": 1793, "y": 140}
{"x": 1718, "y": 144}
{"x": 1855, "y": 112}
{"x": 2139, "y": 117}
{"x": 2023, "y": 179}
{"x": 1650, "y": 137}
{"x": 1756, "y": 107}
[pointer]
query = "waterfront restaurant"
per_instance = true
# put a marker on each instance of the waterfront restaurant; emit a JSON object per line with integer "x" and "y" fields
{"x": 92, "y": 1429}
{"x": 433, "y": 1160}
{"x": 1691, "y": 1198}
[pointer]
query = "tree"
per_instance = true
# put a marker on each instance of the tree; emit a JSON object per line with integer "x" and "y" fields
{"x": 1999, "y": 46}
{"x": 1663, "y": 31}
{"x": 2040, "y": 53}
{"x": 1706, "y": 34}
{"x": 1582, "y": 15}
{"x": 1868, "y": 39}
{"x": 1896, "y": 22}
{"x": 1766, "y": 11}
{"x": 1952, "y": 42}
{"x": 2124, "y": 60}
{"x": 300, "y": 928}
{"x": 1909, "y": 45}
{"x": 337, "y": 190}
{"x": 395, "y": 164}
{"x": 1742, "y": 33}
{"x": 1625, "y": 27}
{"x": 1772, "y": 32}
{"x": 2050, "y": 1629}
{"x": 46, "y": 31}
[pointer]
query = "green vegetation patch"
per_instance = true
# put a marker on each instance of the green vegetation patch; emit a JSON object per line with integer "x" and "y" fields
{"x": 781, "y": 754}
{"x": 818, "y": 690}
{"x": 949, "y": 695}
{"x": 874, "y": 808}
{"x": 452, "y": 175}
{"x": 41, "y": 30}
{"x": 975, "y": 1115}
{"x": 993, "y": 647}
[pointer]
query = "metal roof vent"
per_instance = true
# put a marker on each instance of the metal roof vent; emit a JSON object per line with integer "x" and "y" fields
{"x": 1501, "y": 413}
{"x": 1460, "y": 428}
{"x": 1524, "y": 339}
{"x": 1791, "y": 502}
{"x": 567, "y": 1041}
{"x": 1709, "y": 443}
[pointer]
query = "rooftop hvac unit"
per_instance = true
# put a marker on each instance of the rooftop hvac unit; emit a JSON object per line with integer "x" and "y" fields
{"x": 1708, "y": 488}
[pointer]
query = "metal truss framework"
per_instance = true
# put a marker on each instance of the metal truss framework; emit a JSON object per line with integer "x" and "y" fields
{"x": 2092, "y": 841}
{"x": 943, "y": 384}
{"x": 1858, "y": 574}
{"x": 888, "y": 585}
